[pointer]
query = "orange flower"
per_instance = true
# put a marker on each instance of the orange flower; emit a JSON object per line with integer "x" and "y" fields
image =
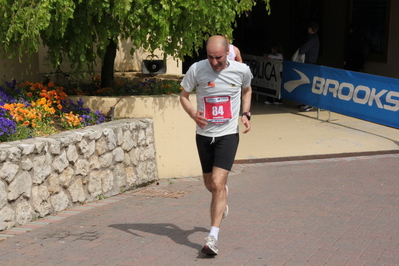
{"x": 7, "y": 106}
{"x": 25, "y": 123}
{"x": 32, "y": 115}
{"x": 29, "y": 94}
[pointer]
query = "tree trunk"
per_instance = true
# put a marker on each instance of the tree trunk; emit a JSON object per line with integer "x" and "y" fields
{"x": 107, "y": 68}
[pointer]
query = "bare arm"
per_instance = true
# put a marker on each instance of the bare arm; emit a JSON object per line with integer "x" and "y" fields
{"x": 238, "y": 54}
{"x": 246, "y": 107}
{"x": 198, "y": 117}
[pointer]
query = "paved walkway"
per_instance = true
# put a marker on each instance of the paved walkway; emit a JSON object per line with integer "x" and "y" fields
{"x": 339, "y": 211}
{"x": 312, "y": 193}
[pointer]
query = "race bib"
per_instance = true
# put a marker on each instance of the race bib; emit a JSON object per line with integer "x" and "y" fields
{"x": 217, "y": 109}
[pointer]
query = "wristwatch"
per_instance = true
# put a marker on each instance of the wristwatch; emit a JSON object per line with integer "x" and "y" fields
{"x": 247, "y": 114}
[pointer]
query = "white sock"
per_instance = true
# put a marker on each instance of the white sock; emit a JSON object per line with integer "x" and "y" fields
{"x": 214, "y": 232}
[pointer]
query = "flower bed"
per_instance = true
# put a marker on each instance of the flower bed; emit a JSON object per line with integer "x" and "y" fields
{"x": 35, "y": 109}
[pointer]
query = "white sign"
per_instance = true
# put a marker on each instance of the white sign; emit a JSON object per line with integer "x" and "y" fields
{"x": 267, "y": 73}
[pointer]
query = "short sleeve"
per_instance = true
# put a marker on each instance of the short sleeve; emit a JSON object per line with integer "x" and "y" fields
{"x": 246, "y": 81}
{"x": 189, "y": 81}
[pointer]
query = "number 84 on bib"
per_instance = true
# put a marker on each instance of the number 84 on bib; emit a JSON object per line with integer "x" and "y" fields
{"x": 217, "y": 109}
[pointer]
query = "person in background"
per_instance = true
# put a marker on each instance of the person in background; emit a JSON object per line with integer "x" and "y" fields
{"x": 222, "y": 88}
{"x": 234, "y": 52}
{"x": 311, "y": 51}
{"x": 276, "y": 53}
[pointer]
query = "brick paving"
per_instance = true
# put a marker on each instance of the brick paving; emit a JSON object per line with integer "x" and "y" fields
{"x": 330, "y": 211}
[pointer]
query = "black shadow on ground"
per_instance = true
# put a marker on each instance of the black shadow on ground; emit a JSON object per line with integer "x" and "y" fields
{"x": 172, "y": 231}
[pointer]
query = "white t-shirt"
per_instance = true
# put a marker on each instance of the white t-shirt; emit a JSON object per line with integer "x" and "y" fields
{"x": 218, "y": 95}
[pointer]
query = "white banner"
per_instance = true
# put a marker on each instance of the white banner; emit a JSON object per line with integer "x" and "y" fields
{"x": 267, "y": 74}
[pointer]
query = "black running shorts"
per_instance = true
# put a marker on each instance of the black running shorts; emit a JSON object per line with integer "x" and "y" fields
{"x": 217, "y": 151}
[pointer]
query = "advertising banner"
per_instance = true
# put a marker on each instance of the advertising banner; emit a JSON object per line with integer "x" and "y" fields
{"x": 267, "y": 74}
{"x": 368, "y": 97}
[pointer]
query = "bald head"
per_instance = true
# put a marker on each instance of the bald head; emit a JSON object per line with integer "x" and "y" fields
{"x": 217, "y": 41}
{"x": 217, "y": 48}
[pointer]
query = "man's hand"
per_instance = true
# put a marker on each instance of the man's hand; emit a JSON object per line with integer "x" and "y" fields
{"x": 246, "y": 106}
{"x": 199, "y": 119}
{"x": 246, "y": 123}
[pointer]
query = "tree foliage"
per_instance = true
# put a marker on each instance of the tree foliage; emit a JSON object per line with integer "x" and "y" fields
{"x": 76, "y": 31}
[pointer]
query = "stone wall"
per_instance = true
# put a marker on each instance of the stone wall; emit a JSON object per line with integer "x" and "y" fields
{"x": 45, "y": 175}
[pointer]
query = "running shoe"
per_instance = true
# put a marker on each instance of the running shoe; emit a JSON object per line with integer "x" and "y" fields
{"x": 210, "y": 247}
{"x": 226, "y": 211}
{"x": 306, "y": 108}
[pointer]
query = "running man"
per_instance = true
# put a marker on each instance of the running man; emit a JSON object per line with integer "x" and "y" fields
{"x": 220, "y": 83}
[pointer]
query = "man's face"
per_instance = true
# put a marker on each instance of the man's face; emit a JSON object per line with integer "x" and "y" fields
{"x": 217, "y": 57}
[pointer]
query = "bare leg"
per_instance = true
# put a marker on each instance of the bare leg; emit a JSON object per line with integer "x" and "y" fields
{"x": 215, "y": 182}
